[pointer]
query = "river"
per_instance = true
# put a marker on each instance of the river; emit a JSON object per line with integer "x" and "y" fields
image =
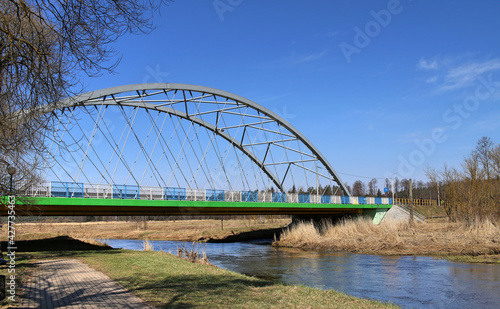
{"x": 409, "y": 281}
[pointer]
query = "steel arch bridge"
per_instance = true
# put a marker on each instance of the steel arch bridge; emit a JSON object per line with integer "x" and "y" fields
{"x": 164, "y": 137}
{"x": 265, "y": 139}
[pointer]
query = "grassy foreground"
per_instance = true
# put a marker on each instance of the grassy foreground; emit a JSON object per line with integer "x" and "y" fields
{"x": 455, "y": 241}
{"x": 166, "y": 281}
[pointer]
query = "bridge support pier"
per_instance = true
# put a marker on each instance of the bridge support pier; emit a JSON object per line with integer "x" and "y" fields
{"x": 375, "y": 214}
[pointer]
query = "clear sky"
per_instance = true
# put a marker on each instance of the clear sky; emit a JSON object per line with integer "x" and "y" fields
{"x": 379, "y": 87}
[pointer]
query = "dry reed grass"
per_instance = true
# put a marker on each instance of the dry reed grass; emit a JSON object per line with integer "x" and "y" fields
{"x": 147, "y": 245}
{"x": 98, "y": 242}
{"x": 193, "y": 255}
{"x": 396, "y": 238}
{"x": 301, "y": 235}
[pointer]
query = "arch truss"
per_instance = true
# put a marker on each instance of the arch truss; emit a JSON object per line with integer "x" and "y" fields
{"x": 178, "y": 135}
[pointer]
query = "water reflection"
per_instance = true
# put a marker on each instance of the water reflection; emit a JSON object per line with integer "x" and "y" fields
{"x": 409, "y": 281}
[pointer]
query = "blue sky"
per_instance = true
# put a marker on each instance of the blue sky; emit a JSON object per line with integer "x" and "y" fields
{"x": 379, "y": 87}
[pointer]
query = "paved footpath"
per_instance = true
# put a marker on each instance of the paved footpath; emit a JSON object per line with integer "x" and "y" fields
{"x": 72, "y": 284}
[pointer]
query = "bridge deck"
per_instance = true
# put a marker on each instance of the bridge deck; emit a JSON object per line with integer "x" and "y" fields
{"x": 60, "y": 206}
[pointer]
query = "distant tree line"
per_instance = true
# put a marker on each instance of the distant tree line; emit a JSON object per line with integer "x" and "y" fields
{"x": 322, "y": 190}
{"x": 421, "y": 189}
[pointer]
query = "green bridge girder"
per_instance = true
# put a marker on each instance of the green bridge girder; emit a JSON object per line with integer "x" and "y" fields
{"x": 60, "y": 206}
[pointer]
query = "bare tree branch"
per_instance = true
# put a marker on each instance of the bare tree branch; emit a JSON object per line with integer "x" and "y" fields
{"x": 45, "y": 46}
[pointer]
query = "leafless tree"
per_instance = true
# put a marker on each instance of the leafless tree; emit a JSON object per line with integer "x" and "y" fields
{"x": 470, "y": 193}
{"x": 495, "y": 161}
{"x": 45, "y": 46}
{"x": 348, "y": 188}
{"x": 405, "y": 187}
{"x": 483, "y": 154}
{"x": 397, "y": 186}
{"x": 359, "y": 188}
{"x": 388, "y": 185}
{"x": 372, "y": 187}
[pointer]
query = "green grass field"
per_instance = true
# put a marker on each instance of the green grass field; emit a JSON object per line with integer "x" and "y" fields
{"x": 166, "y": 281}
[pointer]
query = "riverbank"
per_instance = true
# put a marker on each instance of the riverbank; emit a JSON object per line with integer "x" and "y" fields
{"x": 181, "y": 230}
{"x": 164, "y": 280}
{"x": 479, "y": 243}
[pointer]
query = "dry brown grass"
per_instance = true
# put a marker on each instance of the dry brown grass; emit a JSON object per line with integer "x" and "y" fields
{"x": 301, "y": 235}
{"x": 192, "y": 255}
{"x": 397, "y": 238}
{"x": 147, "y": 245}
{"x": 98, "y": 242}
{"x": 185, "y": 230}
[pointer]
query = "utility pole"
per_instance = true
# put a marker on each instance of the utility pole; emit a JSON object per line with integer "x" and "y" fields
{"x": 392, "y": 189}
{"x": 439, "y": 202}
{"x": 412, "y": 223}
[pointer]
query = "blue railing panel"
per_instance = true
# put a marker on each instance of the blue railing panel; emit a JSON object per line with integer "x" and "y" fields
{"x": 279, "y": 197}
{"x": 126, "y": 192}
{"x": 361, "y": 200}
{"x": 249, "y": 196}
{"x": 58, "y": 189}
{"x": 326, "y": 199}
{"x": 66, "y": 189}
{"x": 378, "y": 201}
{"x": 178, "y": 194}
{"x": 304, "y": 198}
{"x": 345, "y": 200}
{"x": 214, "y": 195}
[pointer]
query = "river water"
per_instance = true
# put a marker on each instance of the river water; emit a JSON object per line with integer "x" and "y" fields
{"x": 409, "y": 281}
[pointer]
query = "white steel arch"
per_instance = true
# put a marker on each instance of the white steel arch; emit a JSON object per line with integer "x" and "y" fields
{"x": 271, "y": 143}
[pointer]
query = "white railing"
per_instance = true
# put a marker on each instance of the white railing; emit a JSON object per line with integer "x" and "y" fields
{"x": 106, "y": 191}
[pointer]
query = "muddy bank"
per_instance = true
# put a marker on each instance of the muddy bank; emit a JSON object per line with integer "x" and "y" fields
{"x": 246, "y": 236}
